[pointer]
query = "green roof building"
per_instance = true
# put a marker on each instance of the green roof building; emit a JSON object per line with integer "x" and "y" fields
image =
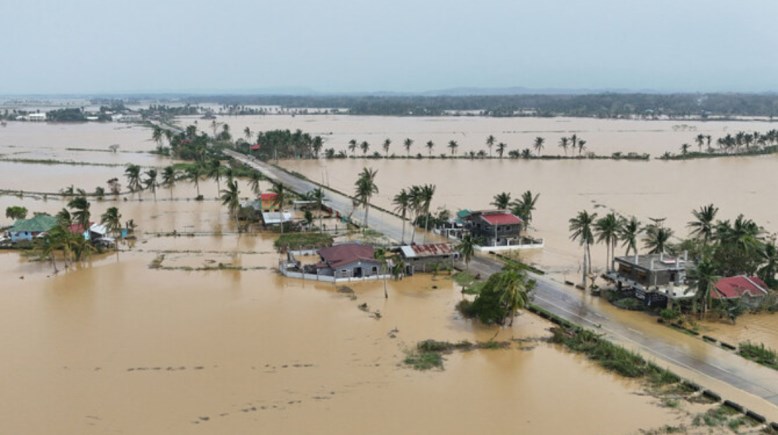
{"x": 26, "y": 229}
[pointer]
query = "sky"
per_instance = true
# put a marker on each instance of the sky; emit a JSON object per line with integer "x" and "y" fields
{"x": 346, "y": 46}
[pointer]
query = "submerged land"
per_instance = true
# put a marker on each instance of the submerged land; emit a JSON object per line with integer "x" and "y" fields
{"x": 215, "y": 340}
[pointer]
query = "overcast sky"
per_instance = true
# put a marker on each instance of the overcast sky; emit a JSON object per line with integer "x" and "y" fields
{"x": 103, "y": 46}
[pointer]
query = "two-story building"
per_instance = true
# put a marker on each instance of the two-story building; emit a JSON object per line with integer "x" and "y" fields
{"x": 494, "y": 227}
{"x": 655, "y": 278}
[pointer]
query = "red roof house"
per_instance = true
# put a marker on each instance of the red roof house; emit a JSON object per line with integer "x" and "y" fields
{"x": 349, "y": 260}
{"x": 501, "y": 218}
{"x": 256, "y": 147}
{"x": 735, "y": 287}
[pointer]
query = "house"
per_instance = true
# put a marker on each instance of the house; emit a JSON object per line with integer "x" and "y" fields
{"x": 751, "y": 290}
{"x": 494, "y": 228}
{"x": 39, "y": 117}
{"x": 27, "y": 229}
{"x": 348, "y": 260}
{"x": 268, "y": 201}
{"x": 428, "y": 257}
{"x": 276, "y": 217}
{"x": 655, "y": 278}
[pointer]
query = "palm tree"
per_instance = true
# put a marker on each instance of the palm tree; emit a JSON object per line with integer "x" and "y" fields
{"x": 608, "y": 228}
{"x": 490, "y": 143}
{"x": 387, "y": 142}
{"x": 215, "y": 172}
{"x": 700, "y": 139}
{"x": 169, "y": 178}
{"x": 64, "y": 217}
{"x": 132, "y": 172}
{"x": 352, "y": 146}
{"x": 416, "y": 199}
{"x": 195, "y": 173}
{"x": 427, "y": 192}
{"x": 769, "y": 264}
{"x": 247, "y": 134}
{"x": 685, "y": 149}
{"x": 538, "y": 144}
{"x": 231, "y": 198}
{"x": 515, "y": 290}
{"x": 430, "y": 146}
{"x": 407, "y": 144}
{"x": 466, "y": 249}
{"x": 280, "y": 191}
{"x": 630, "y": 230}
{"x": 581, "y": 146}
{"x": 656, "y": 238}
{"x": 156, "y": 135}
{"x": 573, "y": 141}
{"x": 564, "y": 143}
{"x": 524, "y": 206}
{"x": 364, "y": 146}
{"x": 380, "y": 255}
{"x": 81, "y": 211}
{"x": 581, "y": 229}
{"x": 365, "y": 189}
{"x": 453, "y": 145}
{"x": 702, "y": 279}
{"x": 112, "y": 220}
{"x": 318, "y": 195}
{"x": 254, "y": 180}
{"x": 402, "y": 202}
{"x": 151, "y": 182}
{"x": 702, "y": 226}
{"x": 501, "y": 200}
{"x": 501, "y": 148}
{"x": 317, "y": 145}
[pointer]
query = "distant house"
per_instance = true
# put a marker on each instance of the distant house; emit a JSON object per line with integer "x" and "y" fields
{"x": 494, "y": 228}
{"x": 749, "y": 289}
{"x": 655, "y": 278}
{"x": 428, "y": 257}
{"x": 348, "y": 260}
{"x": 276, "y": 217}
{"x": 39, "y": 117}
{"x": 27, "y": 229}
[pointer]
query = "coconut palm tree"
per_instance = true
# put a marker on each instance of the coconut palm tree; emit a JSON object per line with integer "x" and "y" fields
{"x": 364, "y": 146}
{"x": 151, "y": 182}
{"x": 630, "y": 230}
{"x": 402, "y": 203}
{"x": 318, "y": 195}
{"x": 685, "y": 149}
{"x": 501, "y": 148}
{"x": 416, "y": 199}
{"x": 365, "y": 188}
{"x": 453, "y": 145}
{"x": 352, "y": 146}
{"x": 169, "y": 178}
{"x": 700, "y": 139}
{"x": 581, "y": 229}
{"x": 387, "y": 142}
{"x": 231, "y": 198}
{"x": 427, "y": 192}
{"x": 215, "y": 172}
{"x": 112, "y": 220}
{"x": 490, "y": 143}
{"x": 581, "y": 146}
{"x": 524, "y": 206}
{"x": 81, "y": 212}
{"x": 247, "y": 134}
{"x": 132, "y": 172}
{"x": 156, "y": 135}
{"x": 280, "y": 192}
{"x": 380, "y": 255}
{"x": 703, "y": 225}
{"x": 195, "y": 173}
{"x": 501, "y": 200}
{"x": 316, "y": 145}
{"x": 607, "y": 229}
{"x": 769, "y": 257}
{"x": 656, "y": 239}
{"x": 702, "y": 279}
{"x": 407, "y": 144}
{"x": 466, "y": 249}
{"x": 538, "y": 145}
{"x": 254, "y": 180}
{"x": 564, "y": 143}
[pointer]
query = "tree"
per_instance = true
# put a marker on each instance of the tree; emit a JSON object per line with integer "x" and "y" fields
{"x": 501, "y": 296}
{"x": 427, "y": 192}
{"x": 702, "y": 279}
{"x": 490, "y": 143}
{"x": 700, "y": 139}
{"x": 581, "y": 146}
{"x": 685, "y": 149}
{"x": 318, "y": 196}
{"x": 81, "y": 213}
{"x": 16, "y": 212}
{"x": 151, "y": 182}
{"x": 581, "y": 229}
{"x": 316, "y": 145}
{"x": 702, "y": 226}
{"x": 231, "y": 198}
{"x": 157, "y": 135}
{"x": 132, "y": 172}
{"x": 501, "y": 200}
{"x": 607, "y": 229}
{"x": 564, "y": 143}
{"x": 466, "y": 249}
{"x": 629, "y": 232}
{"x": 407, "y": 144}
{"x": 215, "y": 172}
{"x": 364, "y": 146}
{"x": 430, "y": 146}
{"x": 416, "y": 205}
{"x": 524, "y": 206}
{"x": 115, "y": 187}
{"x": 112, "y": 220}
{"x": 195, "y": 173}
{"x": 247, "y": 134}
{"x": 280, "y": 191}
{"x": 656, "y": 238}
{"x": 365, "y": 188}
{"x": 538, "y": 145}
{"x": 352, "y": 146}
{"x": 769, "y": 264}
{"x": 254, "y": 180}
{"x": 169, "y": 178}
{"x": 453, "y": 145}
{"x": 402, "y": 203}
{"x": 380, "y": 255}
{"x": 387, "y": 142}
{"x": 501, "y": 149}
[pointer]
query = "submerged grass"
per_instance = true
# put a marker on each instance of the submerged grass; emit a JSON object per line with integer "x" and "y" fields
{"x": 759, "y": 354}
{"x": 428, "y": 354}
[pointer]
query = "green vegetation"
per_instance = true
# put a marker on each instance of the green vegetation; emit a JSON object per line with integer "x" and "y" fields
{"x": 428, "y": 354}
{"x": 295, "y": 241}
{"x": 16, "y": 212}
{"x": 759, "y": 354}
{"x": 740, "y": 144}
{"x": 500, "y": 297}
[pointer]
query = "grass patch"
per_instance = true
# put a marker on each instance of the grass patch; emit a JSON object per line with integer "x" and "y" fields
{"x": 424, "y": 360}
{"x": 715, "y": 417}
{"x": 759, "y": 354}
{"x": 470, "y": 284}
{"x": 296, "y": 241}
{"x": 631, "y": 304}
{"x": 428, "y": 354}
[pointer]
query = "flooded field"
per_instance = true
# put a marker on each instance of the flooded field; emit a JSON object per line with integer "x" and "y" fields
{"x": 603, "y": 136}
{"x": 115, "y": 346}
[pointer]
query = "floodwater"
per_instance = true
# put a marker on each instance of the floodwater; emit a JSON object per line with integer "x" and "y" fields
{"x": 603, "y": 136}
{"x": 115, "y": 346}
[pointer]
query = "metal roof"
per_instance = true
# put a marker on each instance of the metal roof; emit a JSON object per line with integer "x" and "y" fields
{"x": 427, "y": 250}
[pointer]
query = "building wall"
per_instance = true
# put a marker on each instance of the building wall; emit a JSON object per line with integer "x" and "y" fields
{"x": 427, "y": 264}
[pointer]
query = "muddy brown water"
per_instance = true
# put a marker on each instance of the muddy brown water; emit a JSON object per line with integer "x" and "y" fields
{"x": 114, "y": 346}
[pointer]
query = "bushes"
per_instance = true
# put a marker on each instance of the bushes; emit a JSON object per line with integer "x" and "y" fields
{"x": 759, "y": 354}
{"x": 631, "y": 304}
{"x": 293, "y": 241}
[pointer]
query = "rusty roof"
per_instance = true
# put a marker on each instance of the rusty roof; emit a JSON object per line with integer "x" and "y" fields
{"x": 427, "y": 250}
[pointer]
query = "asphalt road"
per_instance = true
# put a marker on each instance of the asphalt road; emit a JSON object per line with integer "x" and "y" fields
{"x": 674, "y": 348}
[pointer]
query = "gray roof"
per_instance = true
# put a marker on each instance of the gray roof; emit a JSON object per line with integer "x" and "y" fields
{"x": 656, "y": 262}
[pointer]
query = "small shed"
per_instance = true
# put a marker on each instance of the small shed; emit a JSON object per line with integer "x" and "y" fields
{"x": 428, "y": 257}
{"x": 348, "y": 260}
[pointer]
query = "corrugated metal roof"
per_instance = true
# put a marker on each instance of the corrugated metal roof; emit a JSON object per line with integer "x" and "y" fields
{"x": 734, "y": 287}
{"x": 341, "y": 255}
{"x": 427, "y": 250}
{"x": 38, "y": 224}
